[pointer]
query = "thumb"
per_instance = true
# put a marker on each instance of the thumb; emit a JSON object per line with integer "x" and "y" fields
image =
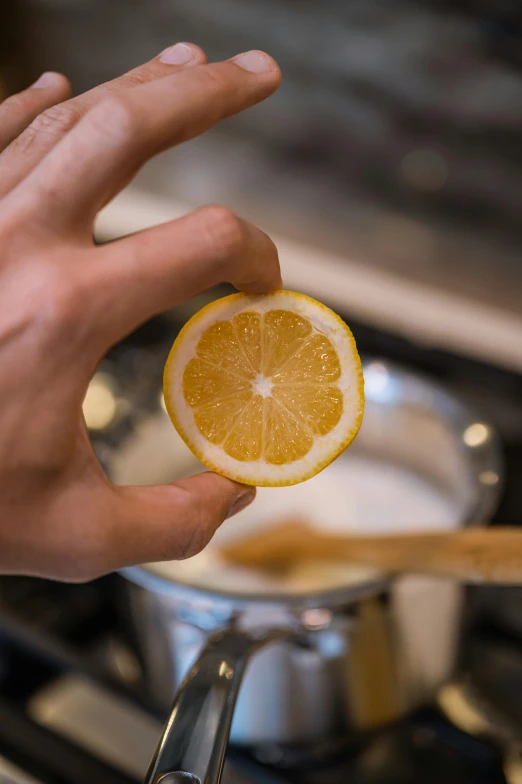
{"x": 171, "y": 522}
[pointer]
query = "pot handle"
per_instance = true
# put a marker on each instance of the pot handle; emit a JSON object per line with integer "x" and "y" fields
{"x": 194, "y": 741}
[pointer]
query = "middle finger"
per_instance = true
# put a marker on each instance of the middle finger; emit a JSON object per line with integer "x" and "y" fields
{"x": 28, "y": 149}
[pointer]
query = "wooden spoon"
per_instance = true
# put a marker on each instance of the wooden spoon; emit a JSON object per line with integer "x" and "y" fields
{"x": 478, "y": 555}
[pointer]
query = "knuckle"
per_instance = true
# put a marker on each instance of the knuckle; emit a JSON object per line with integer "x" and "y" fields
{"x": 135, "y": 78}
{"x": 113, "y": 118}
{"x": 61, "y": 297}
{"x": 215, "y": 79}
{"x": 224, "y": 230}
{"x": 54, "y": 122}
{"x": 197, "y": 536}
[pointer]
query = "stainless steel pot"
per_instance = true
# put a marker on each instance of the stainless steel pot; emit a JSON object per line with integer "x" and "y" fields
{"x": 335, "y": 662}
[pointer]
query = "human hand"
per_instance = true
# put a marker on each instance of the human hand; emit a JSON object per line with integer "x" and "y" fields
{"x": 65, "y": 302}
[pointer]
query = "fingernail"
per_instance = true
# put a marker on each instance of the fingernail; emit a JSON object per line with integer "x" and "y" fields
{"x": 242, "y": 502}
{"x": 256, "y": 62}
{"x": 179, "y": 54}
{"x": 45, "y": 80}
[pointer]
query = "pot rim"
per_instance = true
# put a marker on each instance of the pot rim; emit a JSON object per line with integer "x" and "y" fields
{"x": 484, "y": 459}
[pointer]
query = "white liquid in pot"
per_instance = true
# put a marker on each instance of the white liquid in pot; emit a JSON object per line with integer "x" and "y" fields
{"x": 353, "y": 494}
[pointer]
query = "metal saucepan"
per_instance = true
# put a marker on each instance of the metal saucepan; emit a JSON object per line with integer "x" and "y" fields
{"x": 322, "y": 663}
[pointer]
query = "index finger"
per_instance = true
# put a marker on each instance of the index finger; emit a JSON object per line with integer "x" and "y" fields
{"x": 117, "y": 136}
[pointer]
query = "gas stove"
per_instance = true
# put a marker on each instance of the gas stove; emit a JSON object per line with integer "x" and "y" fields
{"x": 73, "y": 707}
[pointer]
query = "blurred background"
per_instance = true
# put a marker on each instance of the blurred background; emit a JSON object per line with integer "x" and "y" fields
{"x": 388, "y": 168}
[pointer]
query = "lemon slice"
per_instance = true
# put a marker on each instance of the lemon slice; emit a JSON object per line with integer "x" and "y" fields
{"x": 267, "y": 389}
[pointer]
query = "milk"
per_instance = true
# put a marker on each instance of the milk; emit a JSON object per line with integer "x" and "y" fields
{"x": 354, "y": 494}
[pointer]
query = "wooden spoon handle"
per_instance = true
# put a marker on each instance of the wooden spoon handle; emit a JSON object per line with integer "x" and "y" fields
{"x": 491, "y": 555}
{"x": 472, "y": 554}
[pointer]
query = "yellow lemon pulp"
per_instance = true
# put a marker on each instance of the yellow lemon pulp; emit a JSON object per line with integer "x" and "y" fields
{"x": 263, "y": 385}
{"x": 256, "y": 387}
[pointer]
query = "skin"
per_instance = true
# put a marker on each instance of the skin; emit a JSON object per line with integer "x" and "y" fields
{"x": 65, "y": 302}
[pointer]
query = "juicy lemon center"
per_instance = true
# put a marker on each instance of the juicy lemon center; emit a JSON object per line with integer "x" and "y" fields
{"x": 264, "y": 386}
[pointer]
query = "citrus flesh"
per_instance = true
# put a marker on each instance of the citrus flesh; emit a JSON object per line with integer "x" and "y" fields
{"x": 265, "y": 389}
